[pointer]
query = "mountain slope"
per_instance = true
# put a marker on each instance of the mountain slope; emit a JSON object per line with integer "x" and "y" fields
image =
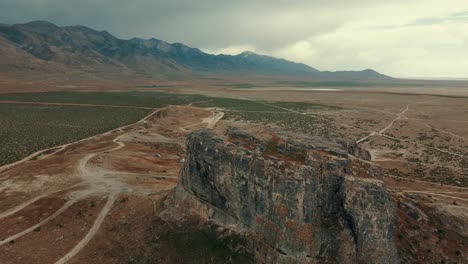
{"x": 83, "y": 48}
{"x": 79, "y": 47}
{"x": 352, "y": 75}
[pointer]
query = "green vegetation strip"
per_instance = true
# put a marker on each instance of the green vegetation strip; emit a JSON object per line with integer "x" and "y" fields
{"x": 156, "y": 100}
{"x": 26, "y": 129}
{"x": 141, "y": 99}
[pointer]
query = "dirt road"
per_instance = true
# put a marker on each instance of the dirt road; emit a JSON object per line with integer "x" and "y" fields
{"x": 100, "y": 174}
{"x": 400, "y": 115}
{"x": 56, "y": 149}
{"x": 97, "y": 224}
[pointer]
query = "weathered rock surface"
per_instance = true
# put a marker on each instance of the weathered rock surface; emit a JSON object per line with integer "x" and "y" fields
{"x": 299, "y": 200}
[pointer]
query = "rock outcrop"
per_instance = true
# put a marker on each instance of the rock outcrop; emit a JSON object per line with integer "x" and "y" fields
{"x": 300, "y": 200}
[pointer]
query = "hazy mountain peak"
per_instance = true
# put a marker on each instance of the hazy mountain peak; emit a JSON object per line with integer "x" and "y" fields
{"x": 80, "y": 46}
{"x": 39, "y": 26}
{"x": 40, "y": 23}
{"x": 248, "y": 53}
{"x": 83, "y": 29}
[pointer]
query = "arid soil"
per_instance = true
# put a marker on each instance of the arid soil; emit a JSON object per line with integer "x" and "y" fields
{"x": 98, "y": 200}
{"x": 52, "y": 208}
{"x": 418, "y": 133}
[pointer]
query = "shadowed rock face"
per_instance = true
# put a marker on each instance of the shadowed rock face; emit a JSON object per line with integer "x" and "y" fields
{"x": 300, "y": 201}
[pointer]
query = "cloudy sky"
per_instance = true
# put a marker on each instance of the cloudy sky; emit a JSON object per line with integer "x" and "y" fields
{"x": 402, "y": 38}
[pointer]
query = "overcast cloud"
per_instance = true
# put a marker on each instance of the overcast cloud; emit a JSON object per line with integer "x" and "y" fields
{"x": 402, "y": 38}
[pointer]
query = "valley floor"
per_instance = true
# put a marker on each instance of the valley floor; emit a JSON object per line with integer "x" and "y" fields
{"x": 63, "y": 207}
{"x": 98, "y": 200}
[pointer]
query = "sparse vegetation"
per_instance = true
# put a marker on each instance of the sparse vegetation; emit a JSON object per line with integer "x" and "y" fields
{"x": 301, "y": 117}
{"x": 141, "y": 99}
{"x": 26, "y": 129}
{"x": 309, "y": 125}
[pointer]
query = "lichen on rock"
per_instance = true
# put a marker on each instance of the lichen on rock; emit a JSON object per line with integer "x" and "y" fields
{"x": 298, "y": 199}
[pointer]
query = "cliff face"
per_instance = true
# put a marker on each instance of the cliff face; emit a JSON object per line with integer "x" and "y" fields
{"x": 299, "y": 199}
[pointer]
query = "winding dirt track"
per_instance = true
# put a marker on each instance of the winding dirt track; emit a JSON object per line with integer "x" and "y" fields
{"x": 294, "y": 111}
{"x": 400, "y": 115}
{"x": 30, "y": 229}
{"x": 20, "y": 207}
{"x": 98, "y": 182}
{"x": 446, "y": 132}
{"x": 97, "y": 224}
{"x": 436, "y": 194}
{"x": 426, "y": 146}
{"x": 213, "y": 120}
{"x": 62, "y": 147}
{"x": 95, "y": 181}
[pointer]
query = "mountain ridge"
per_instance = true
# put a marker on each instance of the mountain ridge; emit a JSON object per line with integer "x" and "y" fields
{"x": 83, "y": 48}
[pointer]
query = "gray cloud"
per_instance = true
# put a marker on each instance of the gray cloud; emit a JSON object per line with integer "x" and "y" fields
{"x": 328, "y": 34}
{"x": 200, "y": 23}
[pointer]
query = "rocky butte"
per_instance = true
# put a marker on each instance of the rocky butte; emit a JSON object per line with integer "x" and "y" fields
{"x": 297, "y": 199}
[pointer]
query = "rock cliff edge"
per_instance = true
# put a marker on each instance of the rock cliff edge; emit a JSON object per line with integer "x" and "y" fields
{"x": 297, "y": 199}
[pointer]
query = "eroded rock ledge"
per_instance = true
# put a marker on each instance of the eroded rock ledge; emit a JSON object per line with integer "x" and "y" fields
{"x": 298, "y": 199}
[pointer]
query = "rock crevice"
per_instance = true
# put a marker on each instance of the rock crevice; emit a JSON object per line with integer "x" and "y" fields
{"x": 298, "y": 199}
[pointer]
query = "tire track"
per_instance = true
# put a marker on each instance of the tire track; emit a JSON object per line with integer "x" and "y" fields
{"x": 435, "y": 194}
{"x": 91, "y": 233}
{"x": 95, "y": 181}
{"x": 24, "y": 232}
{"x": 20, "y": 207}
{"x": 62, "y": 147}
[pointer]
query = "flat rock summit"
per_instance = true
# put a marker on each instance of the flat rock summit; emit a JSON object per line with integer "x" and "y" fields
{"x": 301, "y": 200}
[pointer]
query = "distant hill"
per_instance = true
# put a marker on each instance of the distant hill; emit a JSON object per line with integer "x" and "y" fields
{"x": 353, "y": 75}
{"x": 43, "y": 46}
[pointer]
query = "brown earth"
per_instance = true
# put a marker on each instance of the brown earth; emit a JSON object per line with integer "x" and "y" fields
{"x": 52, "y": 206}
{"x": 130, "y": 172}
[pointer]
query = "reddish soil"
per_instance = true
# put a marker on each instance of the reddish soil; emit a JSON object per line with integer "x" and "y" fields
{"x": 137, "y": 165}
{"x": 47, "y": 243}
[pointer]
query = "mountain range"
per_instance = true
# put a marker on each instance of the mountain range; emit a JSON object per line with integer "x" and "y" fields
{"x": 44, "y": 47}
